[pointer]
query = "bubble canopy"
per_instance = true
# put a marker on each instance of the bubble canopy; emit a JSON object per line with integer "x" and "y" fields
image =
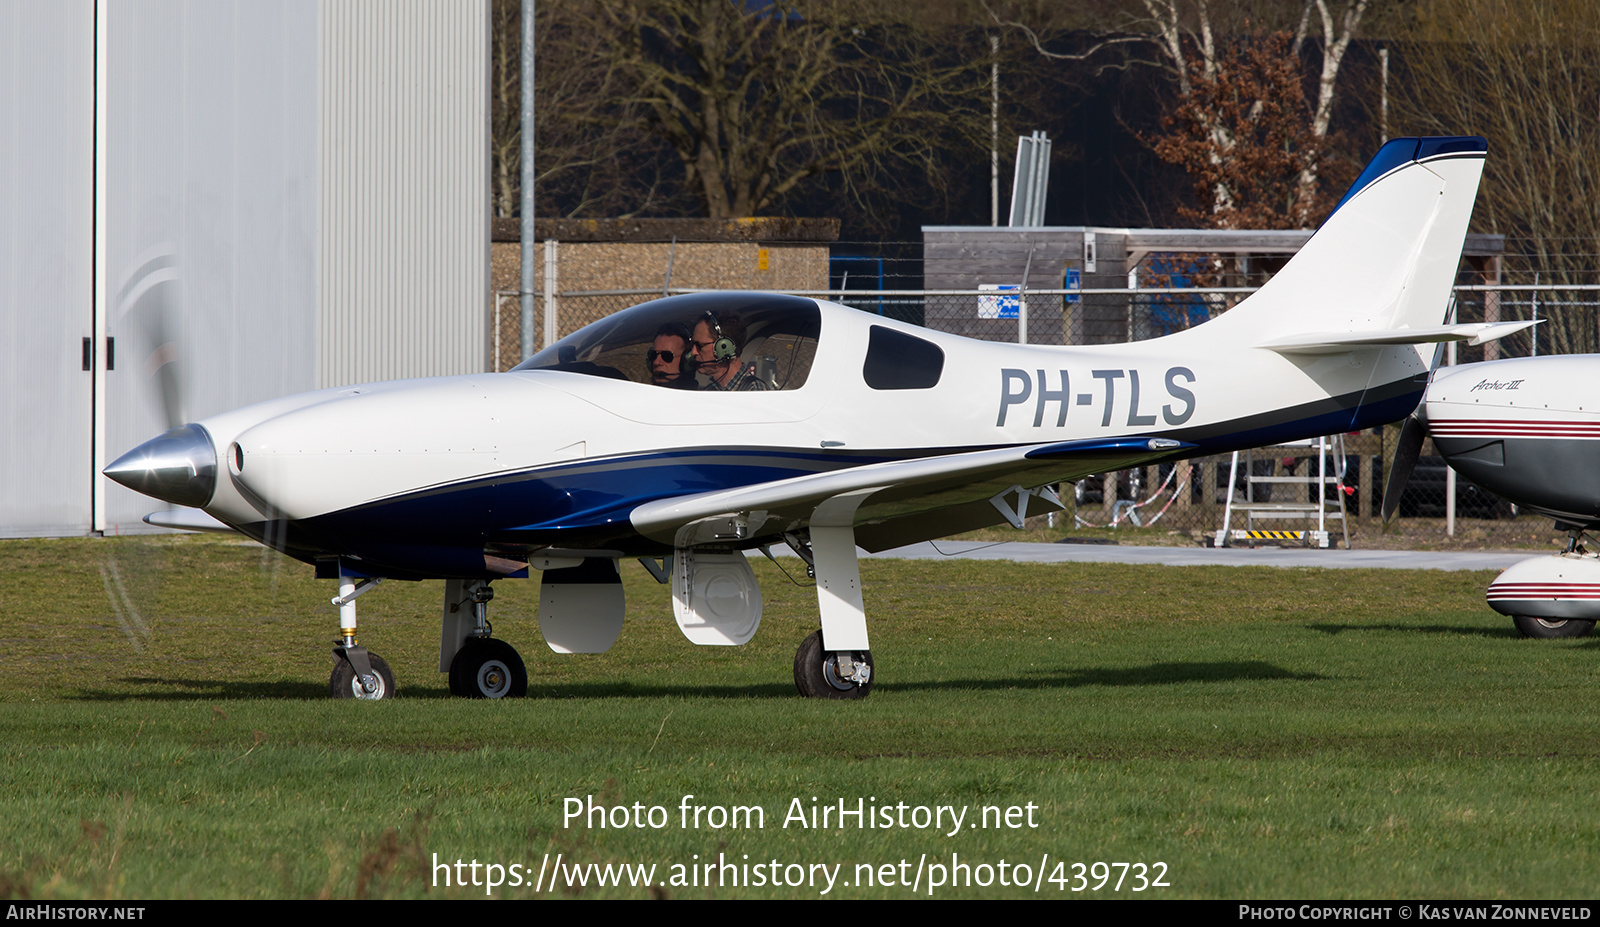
{"x": 775, "y": 334}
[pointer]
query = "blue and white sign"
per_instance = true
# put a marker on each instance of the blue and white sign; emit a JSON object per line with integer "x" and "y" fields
{"x": 1002, "y": 305}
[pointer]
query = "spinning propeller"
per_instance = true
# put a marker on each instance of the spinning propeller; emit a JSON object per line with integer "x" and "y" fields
{"x": 180, "y": 466}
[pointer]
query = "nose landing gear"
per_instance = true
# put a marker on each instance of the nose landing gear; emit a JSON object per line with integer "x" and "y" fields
{"x": 357, "y": 673}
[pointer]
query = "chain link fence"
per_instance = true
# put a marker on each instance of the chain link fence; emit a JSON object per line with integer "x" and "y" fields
{"x": 1188, "y": 499}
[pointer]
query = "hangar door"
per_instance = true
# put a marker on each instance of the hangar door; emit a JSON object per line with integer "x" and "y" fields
{"x": 46, "y": 265}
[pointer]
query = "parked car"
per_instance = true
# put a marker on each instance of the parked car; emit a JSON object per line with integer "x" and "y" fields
{"x": 1091, "y": 489}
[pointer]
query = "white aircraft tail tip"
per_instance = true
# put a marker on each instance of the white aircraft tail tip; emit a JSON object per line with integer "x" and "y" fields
{"x": 1384, "y": 261}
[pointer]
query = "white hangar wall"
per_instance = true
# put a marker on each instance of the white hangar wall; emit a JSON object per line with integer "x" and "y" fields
{"x": 404, "y": 210}
{"x": 46, "y": 265}
{"x": 294, "y": 194}
{"x": 208, "y": 160}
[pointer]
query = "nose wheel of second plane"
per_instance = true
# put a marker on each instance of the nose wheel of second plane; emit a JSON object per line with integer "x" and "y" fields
{"x": 1551, "y": 628}
{"x": 488, "y": 668}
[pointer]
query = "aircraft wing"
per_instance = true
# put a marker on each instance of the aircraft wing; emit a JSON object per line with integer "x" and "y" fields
{"x": 895, "y": 502}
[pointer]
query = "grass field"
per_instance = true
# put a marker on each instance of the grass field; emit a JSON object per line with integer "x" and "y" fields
{"x": 1260, "y": 733}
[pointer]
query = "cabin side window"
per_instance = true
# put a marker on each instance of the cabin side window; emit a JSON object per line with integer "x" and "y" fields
{"x": 896, "y": 360}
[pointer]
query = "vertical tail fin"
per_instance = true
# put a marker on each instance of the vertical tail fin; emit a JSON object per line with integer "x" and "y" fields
{"x": 1387, "y": 257}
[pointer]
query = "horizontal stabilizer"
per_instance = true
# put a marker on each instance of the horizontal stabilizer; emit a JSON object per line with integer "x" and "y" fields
{"x": 1474, "y": 333}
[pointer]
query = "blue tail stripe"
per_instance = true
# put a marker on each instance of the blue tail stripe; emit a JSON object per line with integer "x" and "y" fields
{"x": 1401, "y": 151}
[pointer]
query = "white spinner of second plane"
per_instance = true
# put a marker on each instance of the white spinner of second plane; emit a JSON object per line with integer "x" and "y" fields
{"x": 871, "y": 433}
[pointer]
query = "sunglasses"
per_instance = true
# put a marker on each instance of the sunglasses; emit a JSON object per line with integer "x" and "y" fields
{"x": 652, "y": 354}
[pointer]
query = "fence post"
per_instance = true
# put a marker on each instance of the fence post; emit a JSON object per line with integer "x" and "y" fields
{"x": 666, "y": 282}
{"x": 550, "y": 315}
{"x": 1491, "y": 307}
{"x": 1535, "y": 301}
{"x": 494, "y": 327}
{"x": 1022, "y": 299}
{"x": 1450, "y": 472}
{"x": 1183, "y": 485}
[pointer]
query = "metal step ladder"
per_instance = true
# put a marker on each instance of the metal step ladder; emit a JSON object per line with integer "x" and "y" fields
{"x": 1321, "y": 508}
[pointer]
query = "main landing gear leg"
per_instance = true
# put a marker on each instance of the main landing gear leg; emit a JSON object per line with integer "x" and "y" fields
{"x": 479, "y": 665}
{"x": 834, "y": 662}
{"x": 357, "y": 672}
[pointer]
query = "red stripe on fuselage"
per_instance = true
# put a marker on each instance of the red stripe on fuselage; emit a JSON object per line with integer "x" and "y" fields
{"x": 1501, "y": 428}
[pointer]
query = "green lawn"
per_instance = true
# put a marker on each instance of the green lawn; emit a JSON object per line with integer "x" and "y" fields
{"x": 1260, "y": 733}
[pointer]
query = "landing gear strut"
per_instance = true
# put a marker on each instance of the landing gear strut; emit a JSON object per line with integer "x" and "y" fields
{"x": 830, "y": 555}
{"x": 357, "y": 673}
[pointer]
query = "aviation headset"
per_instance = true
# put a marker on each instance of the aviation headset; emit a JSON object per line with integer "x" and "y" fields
{"x": 723, "y": 349}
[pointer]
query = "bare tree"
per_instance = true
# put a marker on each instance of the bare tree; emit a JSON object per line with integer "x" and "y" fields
{"x": 1527, "y": 77}
{"x": 755, "y": 100}
{"x": 1337, "y": 33}
{"x": 1188, "y": 40}
{"x": 1193, "y": 41}
{"x": 592, "y": 158}
{"x": 1338, "y": 30}
{"x": 1243, "y": 132}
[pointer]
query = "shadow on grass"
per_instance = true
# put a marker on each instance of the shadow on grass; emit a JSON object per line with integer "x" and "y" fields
{"x": 768, "y": 690}
{"x": 1154, "y": 674}
{"x": 1455, "y": 630}
{"x": 202, "y": 690}
{"x": 199, "y": 690}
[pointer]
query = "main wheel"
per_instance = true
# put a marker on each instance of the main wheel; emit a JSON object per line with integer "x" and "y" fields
{"x": 817, "y": 674}
{"x": 488, "y": 668}
{"x": 1551, "y": 628}
{"x": 344, "y": 683}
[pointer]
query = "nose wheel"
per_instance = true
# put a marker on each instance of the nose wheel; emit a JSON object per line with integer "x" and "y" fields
{"x": 375, "y": 682}
{"x": 1551, "y": 628}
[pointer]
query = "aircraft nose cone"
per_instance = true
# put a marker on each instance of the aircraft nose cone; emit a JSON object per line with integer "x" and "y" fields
{"x": 178, "y": 467}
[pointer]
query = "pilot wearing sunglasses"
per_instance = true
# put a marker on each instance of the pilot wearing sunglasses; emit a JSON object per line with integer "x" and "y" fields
{"x": 667, "y": 356}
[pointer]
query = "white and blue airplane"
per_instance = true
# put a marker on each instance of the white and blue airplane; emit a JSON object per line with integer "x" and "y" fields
{"x": 868, "y": 433}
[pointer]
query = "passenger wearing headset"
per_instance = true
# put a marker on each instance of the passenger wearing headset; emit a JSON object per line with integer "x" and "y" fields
{"x": 717, "y": 341}
{"x": 668, "y": 357}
